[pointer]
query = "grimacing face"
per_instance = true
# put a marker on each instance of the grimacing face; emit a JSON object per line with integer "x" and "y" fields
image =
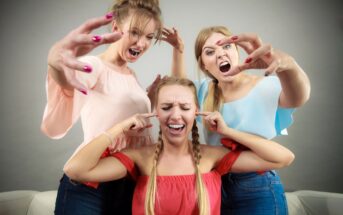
{"x": 135, "y": 41}
{"x": 176, "y": 112}
{"x": 219, "y": 59}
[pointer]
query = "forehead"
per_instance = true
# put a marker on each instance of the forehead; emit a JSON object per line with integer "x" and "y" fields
{"x": 175, "y": 93}
{"x": 144, "y": 24}
{"x": 213, "y": 39}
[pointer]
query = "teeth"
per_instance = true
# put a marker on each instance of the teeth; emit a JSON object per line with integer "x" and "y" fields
{"x": 224, "y": 64}
{"x": 134, "y": 52}
{"x": 176, "y": 126}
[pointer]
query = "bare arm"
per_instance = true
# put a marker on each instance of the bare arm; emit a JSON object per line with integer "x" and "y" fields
{"x": 295, "y": 86}
{"x": 294, "y": 81}
{"x": 178, "y": 64}
{"x": 86, "y": 164}
{"x": 264, "y": 155}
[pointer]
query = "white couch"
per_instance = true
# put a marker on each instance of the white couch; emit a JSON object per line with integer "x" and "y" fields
{"x": 28, "y": 202}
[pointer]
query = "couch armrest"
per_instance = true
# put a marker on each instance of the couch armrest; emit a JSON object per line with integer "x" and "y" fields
{"x": 43, "y": 203}
{"x": 316, "y": 202}
{"x": 16, "y": 202}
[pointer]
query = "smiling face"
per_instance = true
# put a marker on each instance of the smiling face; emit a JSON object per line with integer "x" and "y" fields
{"x": 218, "y": 59}
{"x": 176, "y": 107}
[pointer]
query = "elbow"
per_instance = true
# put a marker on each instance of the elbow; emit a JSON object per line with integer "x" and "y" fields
{"x": 72, "y": 172}
{"x": 287, "y": 160}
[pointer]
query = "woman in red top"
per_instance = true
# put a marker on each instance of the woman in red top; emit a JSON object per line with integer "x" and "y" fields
{"x": 176, "y": 175}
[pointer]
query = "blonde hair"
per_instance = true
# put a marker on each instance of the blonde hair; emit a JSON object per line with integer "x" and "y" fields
{"x": 202, "y": 197}
{"x": 142, "y": 12}
{"x": 214, "y": 98}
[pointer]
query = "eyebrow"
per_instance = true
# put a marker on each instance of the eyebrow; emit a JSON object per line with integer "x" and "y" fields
{"x": 171, "y": 103}
{"x": 207, "y": 47}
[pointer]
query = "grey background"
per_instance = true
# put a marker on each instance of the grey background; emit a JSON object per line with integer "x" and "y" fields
{"x": 311, "y": 31}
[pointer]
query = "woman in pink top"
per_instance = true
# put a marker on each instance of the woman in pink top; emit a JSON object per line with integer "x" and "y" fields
{"x": 102, "y": 90}
{"x": 176, "y": 175}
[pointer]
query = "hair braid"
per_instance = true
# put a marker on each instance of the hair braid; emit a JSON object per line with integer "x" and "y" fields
{"x": 201, "y": 190}
{"x": 151, "y": 187}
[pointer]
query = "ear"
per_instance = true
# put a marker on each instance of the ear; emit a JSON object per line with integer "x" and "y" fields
{"x": 115, "y": 26}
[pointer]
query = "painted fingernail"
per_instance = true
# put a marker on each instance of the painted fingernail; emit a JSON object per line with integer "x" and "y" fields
{"x": 248, "y": 60}
{"x": 96, "y": 38}
{"x": 87, "y": 68}
{"x": 234, "y": 38}
{"x": 83, "y": 91}
{"x": 109, "y": 15}
{"x": 266, "y": 74}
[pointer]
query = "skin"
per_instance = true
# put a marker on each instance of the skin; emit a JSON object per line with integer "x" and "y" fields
{"x": 294, "y": 81}
{"x": 62, "y": 57}
{"x": 235, "y": 83}
{"x": 176, "y": 105}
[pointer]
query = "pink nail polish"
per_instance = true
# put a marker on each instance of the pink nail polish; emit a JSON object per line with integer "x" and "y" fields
{"x": 109, "y": 15}
{"x": 248, "y": 60}
{"x": 96, "y": 38}
{"x": 84, "y": 92}
{"x": 234, "y": 38}
{"x": 87, "y": 68}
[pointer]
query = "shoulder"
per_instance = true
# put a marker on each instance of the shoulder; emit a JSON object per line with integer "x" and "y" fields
{"x": 213, "y": 152}
{"x": 141, "y": 154}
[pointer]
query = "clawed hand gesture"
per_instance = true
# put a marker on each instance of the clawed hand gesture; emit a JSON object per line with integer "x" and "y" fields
{"x": 172, "y": 37}
{"x": 80, "y": 41}
{"x": 260, "y": 55}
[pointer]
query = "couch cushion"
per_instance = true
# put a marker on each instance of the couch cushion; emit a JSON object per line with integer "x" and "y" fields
{"x": 295, "y": 207}
{"x": 316, "y": 202}
{"x": 16, "y": 202}
{"x": 43, "y": 203}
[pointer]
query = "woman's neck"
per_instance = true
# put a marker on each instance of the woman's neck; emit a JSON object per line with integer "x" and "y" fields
{"x": 111, "y": 55}
{"x": 179, "y": 149}
{"x": 235, "y": 83}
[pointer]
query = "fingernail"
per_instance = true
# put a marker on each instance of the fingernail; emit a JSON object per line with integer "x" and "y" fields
{"x": 87, "y": 68}
{"x": 266, "y": 74}
{"x": 96, "y": 38}
{"x": 83, "y": 91}
{"x": 234, "y": 38}
{"x": 248, "y": 60}
{"x": 109, "y": 15}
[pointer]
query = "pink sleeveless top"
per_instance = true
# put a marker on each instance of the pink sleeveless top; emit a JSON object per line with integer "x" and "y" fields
{"x": 177, "y": 194}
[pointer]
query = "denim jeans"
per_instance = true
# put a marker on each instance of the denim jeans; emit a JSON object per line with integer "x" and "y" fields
{"x": 253, "y": 194}
{"x": 113, "y": 197}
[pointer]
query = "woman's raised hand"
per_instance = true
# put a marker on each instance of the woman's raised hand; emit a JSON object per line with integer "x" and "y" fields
{"x": 214, "y": 120}
{"x": 172, "y": 37}
{"x": 137, "y": 122}
{"x": 62, "y": 58}
{"x": 260, "y": 55}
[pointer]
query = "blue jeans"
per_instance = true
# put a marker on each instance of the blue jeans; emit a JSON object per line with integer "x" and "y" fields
{"x": 253, "y": 194}
{"x": 113, "y": 197}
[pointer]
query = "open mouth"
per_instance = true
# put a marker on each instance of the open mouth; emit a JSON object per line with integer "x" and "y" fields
{"x": 134, "y": 52}
{"x": 176, "y": 128}
{"x": 224, "y": 66}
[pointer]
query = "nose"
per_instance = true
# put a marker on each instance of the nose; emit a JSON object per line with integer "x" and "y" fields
{"x": 220, "y": 53}
{"x": 142, "y": 42}
{"x": 175, "y": 114}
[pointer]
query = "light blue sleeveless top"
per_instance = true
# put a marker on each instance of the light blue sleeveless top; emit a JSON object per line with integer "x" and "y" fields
{"x": 257, "y": 112}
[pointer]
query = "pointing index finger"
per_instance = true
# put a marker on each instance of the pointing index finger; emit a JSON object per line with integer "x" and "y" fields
{"x": 202, "y": 113}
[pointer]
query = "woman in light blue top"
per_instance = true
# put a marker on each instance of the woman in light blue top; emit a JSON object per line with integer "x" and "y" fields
{"x": 249, "y": 103}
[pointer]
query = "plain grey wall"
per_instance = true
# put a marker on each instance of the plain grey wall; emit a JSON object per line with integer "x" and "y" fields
{"x": 309, "y": 30}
